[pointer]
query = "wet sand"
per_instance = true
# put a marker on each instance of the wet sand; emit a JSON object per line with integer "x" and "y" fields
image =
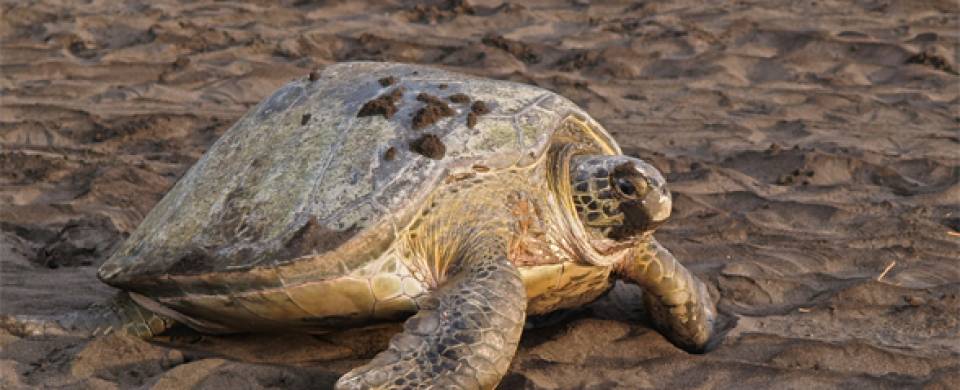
{"x": 812, "y": 148}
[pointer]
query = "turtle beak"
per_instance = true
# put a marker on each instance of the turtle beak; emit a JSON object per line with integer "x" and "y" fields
{"x": 648, "y": 212}
{"x": 657, "y": 204}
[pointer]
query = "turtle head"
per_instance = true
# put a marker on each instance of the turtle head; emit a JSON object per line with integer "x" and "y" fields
{"x": 618, "y": 196}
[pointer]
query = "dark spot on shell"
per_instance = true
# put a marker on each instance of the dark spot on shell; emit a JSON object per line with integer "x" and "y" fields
{"x": 390, "y": 154}
{"x": 479, "y": 107}
{"x": 313, "y": 237}
{"x": 313, "y": 76}
{"x": 432, "y": 112}
{"x": 430, "y": 146}
{"x": 429, "y": 99}
{"x": 459, "y": 98}
{"x": 382, "y": 105}
{"x": 304, "y": 119}
{"x": 388, "y": 81}
{"x": 471, "y": 119}
{"x": 442, "y": 86}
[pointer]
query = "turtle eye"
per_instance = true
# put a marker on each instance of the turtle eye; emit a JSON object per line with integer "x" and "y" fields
{"x": 627, "y": 187}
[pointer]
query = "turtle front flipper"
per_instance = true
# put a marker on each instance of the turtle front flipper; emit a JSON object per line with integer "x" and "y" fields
{"x": 120, "y": 315}
{"x": 677, "y": 301}
{"x": 466, "y": 331}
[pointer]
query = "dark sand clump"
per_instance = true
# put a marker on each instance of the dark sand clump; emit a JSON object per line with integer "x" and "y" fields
{"x": 459, "y": 98}
{"x": 434, "y": 110}
{"x": 385, "y": 105}
{"x": 476, "y": 109}
{"x": 388, "y": 81}
{"x": 429, "y": 145}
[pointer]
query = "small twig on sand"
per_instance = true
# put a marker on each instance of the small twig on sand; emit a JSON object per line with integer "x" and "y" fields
{"x": 885, "y": 270}
{"x": 953, "y": 233}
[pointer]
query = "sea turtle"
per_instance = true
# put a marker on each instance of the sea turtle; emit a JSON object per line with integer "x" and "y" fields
{"x": 376, "y": 191}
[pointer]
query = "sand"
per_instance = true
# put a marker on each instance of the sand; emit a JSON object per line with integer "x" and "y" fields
{"x": 810, "y": 146}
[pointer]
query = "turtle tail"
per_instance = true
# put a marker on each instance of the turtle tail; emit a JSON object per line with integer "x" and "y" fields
{"x": 119, "y": 315}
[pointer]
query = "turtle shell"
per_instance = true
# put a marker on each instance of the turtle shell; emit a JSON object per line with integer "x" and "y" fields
{"x": 330, "y": 167}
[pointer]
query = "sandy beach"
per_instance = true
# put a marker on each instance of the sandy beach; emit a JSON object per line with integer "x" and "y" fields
{"x": 812, "y": 148}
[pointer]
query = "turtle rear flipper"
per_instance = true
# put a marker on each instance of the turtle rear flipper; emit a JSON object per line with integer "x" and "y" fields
{"x": 120, "y": 315}
{"x": 464, "y": 335}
